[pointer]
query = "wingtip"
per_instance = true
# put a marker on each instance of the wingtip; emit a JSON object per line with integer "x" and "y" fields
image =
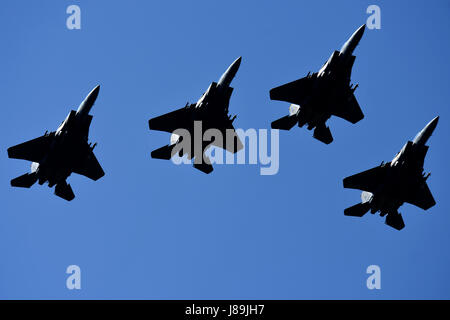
{"x": 345, "y": 182}
{"x": 271, "y": 93}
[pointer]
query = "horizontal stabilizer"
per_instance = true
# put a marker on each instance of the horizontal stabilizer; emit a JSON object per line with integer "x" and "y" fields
{"x": 89, "y": 167}
{"x": 64, "y": 190}
{"x": 204, "y": 167}
{"x": 420, "y": 195}
{"x": 285, "y": 123}
{"x": 349, "y": 110}
{"x": 395, "y": 220}
{"x": 163, "y": 153}
{"x": 323, "y": 134}
{"x": 357, "y": 210}
{"x": 24, "y": 181}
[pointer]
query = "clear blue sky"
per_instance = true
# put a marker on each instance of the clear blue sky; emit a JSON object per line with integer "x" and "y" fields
{"x": 150, "y": 229}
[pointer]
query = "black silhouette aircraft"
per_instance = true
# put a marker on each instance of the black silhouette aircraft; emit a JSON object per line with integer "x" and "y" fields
{"x": 321, "y": 95}
{"x": 211, "y": 110}
{"x": 391, "y": 184}
{"x": 57, "y": 154}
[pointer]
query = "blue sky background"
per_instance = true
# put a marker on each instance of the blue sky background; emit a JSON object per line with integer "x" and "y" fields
{"x": 153, "y": 230}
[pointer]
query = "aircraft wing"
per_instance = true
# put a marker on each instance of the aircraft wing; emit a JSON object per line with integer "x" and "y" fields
{"x": 33, "y": 150}
{"x": 367, "y": 180}
{"x": 349, "y": 110}
{"x": 420, "y": 196}
{"x": 90, "y": 167}
{"x": 294, "y": 92}
{"x": 169, "y": 122}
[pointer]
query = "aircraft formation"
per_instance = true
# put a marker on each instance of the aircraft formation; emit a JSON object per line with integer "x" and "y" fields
{"x": 314, "y": 99}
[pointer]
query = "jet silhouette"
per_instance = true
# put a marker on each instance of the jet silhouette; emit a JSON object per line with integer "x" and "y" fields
{"x": 58, "y": 154}
{"x": 323, "y": 94}
{"x": 391, "y": 184}
{"x": 211, "y": 111}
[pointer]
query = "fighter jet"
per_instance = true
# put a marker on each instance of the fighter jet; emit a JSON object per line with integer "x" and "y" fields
{"x": 211, "y": 111}
{"x": 57, "y": 154}
{"x": 391, "y": 184}
{"x": 323, "y": 94}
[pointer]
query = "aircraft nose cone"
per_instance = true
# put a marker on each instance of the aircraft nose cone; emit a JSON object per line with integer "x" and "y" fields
{"x": 92, "y": 96}
{"x": 230, "y": 73}
{"x": 94, "y": 93}
{"x": 348, "y": 47}
{"x": 423, "y": 136}
{"x": 435, "y": 120}
{"x": 237, "y": 62}
{"x": 233, "y": 68}
{"x": 356, "y": 37}
{"x": 432, "y": 124}
{"x": 361, "y": 29}
{"x": 88, "y": 102}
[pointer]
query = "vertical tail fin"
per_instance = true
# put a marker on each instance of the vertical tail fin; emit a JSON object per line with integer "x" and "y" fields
{"x": 323, "y": 134}
{"x": 64, "y": 190}
{"x": 204, "y": 167}
{"x": 395, "y": 221}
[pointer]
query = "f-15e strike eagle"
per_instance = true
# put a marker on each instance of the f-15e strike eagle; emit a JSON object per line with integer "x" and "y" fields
{"x": 211, "y": 111}
{"x": 391, "y": 184}
{"x": 56, "y": 155}
{"x": 323, "y": 94}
